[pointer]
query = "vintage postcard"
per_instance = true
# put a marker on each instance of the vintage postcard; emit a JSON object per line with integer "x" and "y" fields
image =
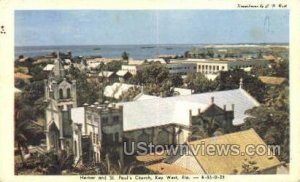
{"x": 194, "y": 91}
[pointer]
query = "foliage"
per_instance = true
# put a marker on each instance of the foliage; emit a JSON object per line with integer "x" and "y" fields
{"x": 88, "y": 91}
{"x": 113, "y": 66}
{"x": 199, "y": 83}
{"x": 176, "y": 80}
{"x": 282, "y": 68}
{"x": 130, "y": 94}
{"x": 55, "y": 162}
{"x": 278, "y": 69}
{"x": 153, "y": 73}
{"x": 278, "y": 97}
{"x": 125, "y": 56}
{"x": 231, "y": 80}
{"x": 157, "y": 80}
{"x": 262, "y": 71}
{"x": 272, "y": 125}
{"x": 26, "y": 131}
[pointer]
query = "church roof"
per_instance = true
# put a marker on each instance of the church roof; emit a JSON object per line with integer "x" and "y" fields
{"x": 161, "y": 111}
{"x": 157, "y": 112}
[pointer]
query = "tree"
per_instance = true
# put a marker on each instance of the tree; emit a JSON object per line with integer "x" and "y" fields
{"x": 282, "y": 68}
{"x": 25, "y": 129}
{"x": 271, "y": 125}
{"x": 176, "y": 80}
{"x": 278, "y": 97}
{"x": 199, "y": 83}
{"x": 231, "y": 80}
{"x": 113, "y": 66}
{"x": 125, "y": 56}
{"x": 56, "y": 162}
{"x": 130, "y": 94}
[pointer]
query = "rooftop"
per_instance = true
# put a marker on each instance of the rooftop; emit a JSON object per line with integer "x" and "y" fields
{"x": 49, "y": 67}
{"x": 160, "y": 111}
{"x": 269, "y": 80}
{"x": 227, "y": 164}
{"x": 105, "y": 73}
{"x": 163, "y": 168}
{"x": 22, "y": 76}
{"x": 122, "y": 72}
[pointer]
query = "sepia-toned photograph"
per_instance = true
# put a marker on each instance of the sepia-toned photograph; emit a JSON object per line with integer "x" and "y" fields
{"x": 151, "y": 92}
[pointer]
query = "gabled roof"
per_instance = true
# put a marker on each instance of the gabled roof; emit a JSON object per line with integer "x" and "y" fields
{"x": 161, "y": 111}
{"x": 49, "y": 67}
{"x": 122, "y": 72}
{"x": 228, "y": 164}
{"x": 271, "y": 80}
{"x": 106, "y": 74}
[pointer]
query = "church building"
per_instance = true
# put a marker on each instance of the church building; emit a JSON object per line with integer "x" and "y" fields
{"x": 60, "y": 95}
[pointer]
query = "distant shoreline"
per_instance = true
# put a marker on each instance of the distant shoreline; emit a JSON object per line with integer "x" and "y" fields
{"x": 143, "y": 45}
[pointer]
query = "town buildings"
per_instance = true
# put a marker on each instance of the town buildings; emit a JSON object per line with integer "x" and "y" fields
{"x": 214, "y": 66}
{"x": 94, "y": 131}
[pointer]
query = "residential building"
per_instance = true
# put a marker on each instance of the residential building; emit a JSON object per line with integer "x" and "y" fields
{"x": 123, "y": 75}
{"x": 160, "y": 60}
{"x": 109, "y": 76}
{"x": 272, "y": 80}
{"x": 132, "y": 68}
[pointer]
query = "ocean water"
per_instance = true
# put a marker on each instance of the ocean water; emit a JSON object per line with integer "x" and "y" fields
{"x": 108, "y": 51}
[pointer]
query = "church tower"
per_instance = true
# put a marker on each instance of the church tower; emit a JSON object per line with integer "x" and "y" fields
{"x": 60, "y": 94}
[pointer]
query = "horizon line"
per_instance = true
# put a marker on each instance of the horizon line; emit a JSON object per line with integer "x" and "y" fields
{"x": 253, "y": 43}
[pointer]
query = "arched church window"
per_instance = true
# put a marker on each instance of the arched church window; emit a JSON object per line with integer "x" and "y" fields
{"x": 68, "y": 93}
{"x": 60, "y": 93}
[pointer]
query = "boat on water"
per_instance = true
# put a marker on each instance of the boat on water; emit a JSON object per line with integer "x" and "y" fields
{"x": 147, "y": 47}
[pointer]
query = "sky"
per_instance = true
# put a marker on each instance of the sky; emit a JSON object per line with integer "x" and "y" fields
{"x": 118, "y": 27}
